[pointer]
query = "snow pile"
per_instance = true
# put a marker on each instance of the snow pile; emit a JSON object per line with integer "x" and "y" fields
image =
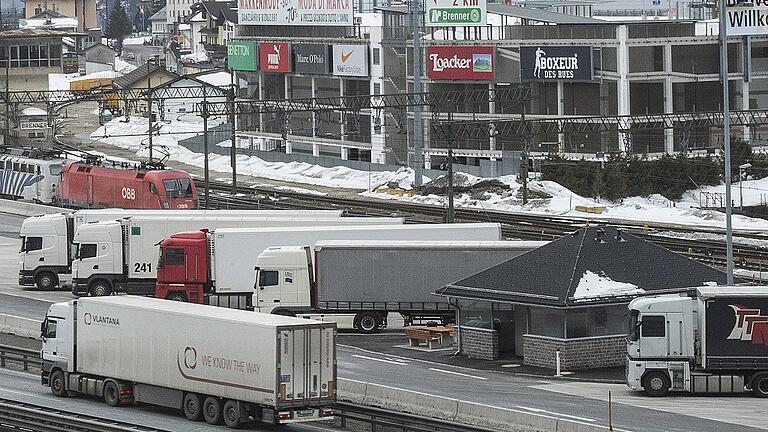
{"x": 300, "y": 172}
{"x": 592, "y": 285}
{"x": 136, "y": 40}
{"x": 198, "y": 57}
{"x": 218, "y": 79}
{"x": 123, "y": 66}
{"x": 33, "y": 111}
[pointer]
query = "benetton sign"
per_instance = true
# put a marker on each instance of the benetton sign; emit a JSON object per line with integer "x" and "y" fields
{"x": 460, "y": 63}
{"x": 274, "y": 57}
{"x": 241, "y": 55}
{"x": 556, "y": 63}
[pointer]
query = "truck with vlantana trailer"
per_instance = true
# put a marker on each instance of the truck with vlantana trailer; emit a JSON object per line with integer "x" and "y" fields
{"x": 223, "y": 261}
{"x": 370, "y": 279}
{"x": 45, "y": 258}
{"x": 131, "y": 349}
{"x": 713, "y": 341}
{"x": 121, "y": 256}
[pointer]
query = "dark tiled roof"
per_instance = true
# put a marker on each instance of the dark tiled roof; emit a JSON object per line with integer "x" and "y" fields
{"x": 549, "y": 275}
{"x": 139, "y": 74}
{"x": 19, "y": 33}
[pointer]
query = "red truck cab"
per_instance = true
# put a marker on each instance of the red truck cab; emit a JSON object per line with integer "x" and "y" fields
{"x": 183, "y": 269}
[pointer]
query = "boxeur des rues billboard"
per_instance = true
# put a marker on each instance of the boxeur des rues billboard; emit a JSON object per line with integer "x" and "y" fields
{"x": 460, "y": 63}
{"x": 556, "y": 63}
{"x": 274, "y": 57}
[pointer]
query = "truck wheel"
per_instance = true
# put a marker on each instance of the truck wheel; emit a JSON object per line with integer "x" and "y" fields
{"x": 45, "y": 281}
{"x": 212, "y": 410}
{"x": 57, "y": 384}
{"x": 192, "y": 407}
{"x": 232, "y": 414}
{"x": 179, "y": 297}
{"x": 760, "y": 385}
{"x": 656, "y": 384}
{"x": 368, "y": 322}
{"x": 99, "y": 288}
{"x": 111, "y": 393}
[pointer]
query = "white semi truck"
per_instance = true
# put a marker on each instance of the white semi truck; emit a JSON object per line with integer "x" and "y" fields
{"x": 713, "y": 341}
{"x": 130, "y": 349}
{"x": 367, "y": 280}
{"x": 46, "y": 252}
{"x": 223, "y": 261}
{"x": 121, "y": 255}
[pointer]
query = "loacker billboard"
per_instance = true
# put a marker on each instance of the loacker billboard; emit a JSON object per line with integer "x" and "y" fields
{"x": 274, "y": 57}
{"x": 460, "y": 63}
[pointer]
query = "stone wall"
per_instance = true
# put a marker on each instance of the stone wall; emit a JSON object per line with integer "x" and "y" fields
{"x": 479, "y": 343}
{"x": 577, "y": 353}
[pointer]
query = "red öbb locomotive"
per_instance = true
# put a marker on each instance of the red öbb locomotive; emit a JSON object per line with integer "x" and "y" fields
{"x": 89, "y": 185}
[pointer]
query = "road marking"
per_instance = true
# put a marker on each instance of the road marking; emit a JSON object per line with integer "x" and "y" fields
{"x": 380, "y": 360}
{"x": 538, "y": 410}
{"x": 458, "y": 373}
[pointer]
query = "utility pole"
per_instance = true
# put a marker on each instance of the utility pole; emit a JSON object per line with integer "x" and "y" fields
{"x": 204, "y": 114}
{"x": 524, "y": 158}
{"x": 233, "y": 149}
{"x": 726, "y": 145}
{"x": 7, "y": 135}
{"x": 451, "y": 212}
{"x": 149, "y": 107}
{"x": 418, "y": 127}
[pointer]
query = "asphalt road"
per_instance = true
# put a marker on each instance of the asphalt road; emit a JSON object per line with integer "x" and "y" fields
{"x": 25, "y": 387}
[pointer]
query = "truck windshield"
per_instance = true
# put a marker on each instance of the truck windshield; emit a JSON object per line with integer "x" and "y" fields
{"x": 633, "y": 333}
{"x": 178, "y": 188}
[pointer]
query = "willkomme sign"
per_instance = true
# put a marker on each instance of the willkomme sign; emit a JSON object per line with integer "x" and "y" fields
{"x": 746, "y": 17}
{"x": 556, "y": 63}
{"x": 441, "y": 13}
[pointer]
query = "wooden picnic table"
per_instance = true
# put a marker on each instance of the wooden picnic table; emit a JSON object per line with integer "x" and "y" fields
{"x": 434, "y": 336}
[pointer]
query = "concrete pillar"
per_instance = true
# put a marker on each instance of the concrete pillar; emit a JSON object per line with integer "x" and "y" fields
{"x": 314, "y": 113}
{"x": 622, "y": 58}
{"x": 288, "y": 147}
{"x": 560, "y": 113}
{"x": 669, "y": 99}
{"x": 345, "y": 153}
{"x": 315, "y": 149}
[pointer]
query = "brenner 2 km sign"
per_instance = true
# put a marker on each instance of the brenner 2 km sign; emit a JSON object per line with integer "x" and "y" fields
{"x": 556, "y": 63}
{"x": 441, "y": 13}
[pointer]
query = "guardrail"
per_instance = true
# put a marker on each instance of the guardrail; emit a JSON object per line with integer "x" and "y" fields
{"x": 377, "y": 417}
{"x": 22, "y": 416}
{"x": 24, "y": 357}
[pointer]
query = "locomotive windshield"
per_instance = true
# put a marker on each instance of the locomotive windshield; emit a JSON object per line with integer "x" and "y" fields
{"x": 178, "y": 188}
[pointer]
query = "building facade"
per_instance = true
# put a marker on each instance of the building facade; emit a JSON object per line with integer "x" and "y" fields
{"x": 84, "y": 11}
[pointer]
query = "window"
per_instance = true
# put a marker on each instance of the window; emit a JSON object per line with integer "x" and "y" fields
{"x": 23, "y": 167}
{"x": 267, "y": 278}
{"x": 50, "y": 330}
{"x": 31, "y": 169}
{"x": 55, "y": 169}
{"x": 33, "y": 244}
{"x": 376, "y": 56}
{"x": 653, "y": 326}
{"x": 152, "y": 188}
{"x": 15, "y": 166}
{"x": 376, "y": 89}
{"x": 178, "y": 188}
{"x": 87, "y": 250}
{"x": 174, "y": 256}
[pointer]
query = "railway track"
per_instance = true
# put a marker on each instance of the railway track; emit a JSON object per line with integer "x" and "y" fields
{"x": 514, "y": 225}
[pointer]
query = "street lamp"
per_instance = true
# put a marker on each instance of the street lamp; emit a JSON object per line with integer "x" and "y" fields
{"x": 741, "y": 179}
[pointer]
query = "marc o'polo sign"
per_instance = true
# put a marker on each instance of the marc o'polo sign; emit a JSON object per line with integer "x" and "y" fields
{"x": 556, "y": 63}
{"x": 311, "y": 59}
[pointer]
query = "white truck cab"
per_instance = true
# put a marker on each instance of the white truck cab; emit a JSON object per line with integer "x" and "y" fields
{"x": 45, "y": 251}
{"x": 98, "y": 256}
{"x": 56, "y": 332}
{"x": 283, "y": 279}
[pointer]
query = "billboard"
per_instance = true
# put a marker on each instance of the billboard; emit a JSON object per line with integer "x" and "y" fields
{"x": 744, "y": 18}
{"x": 295, "y": 12}
{"x": 241, "y": 55}
{"x": 350, "y": 60}
{"x": 274, "y": 57}
{"x": 460, "y": 63}
{"x": 70, "y": 63}
{"x": 556, "y": 63}
{"x": 737, "y": 327}
{"x": 441, "y": 13}
{"x": 311, "y": 59}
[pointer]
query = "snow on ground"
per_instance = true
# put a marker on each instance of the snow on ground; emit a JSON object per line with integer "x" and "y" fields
{"x": 197, "y": 57}
{"x": 592, "y": 285}
{"x": 754, "y": 192}
{"x": 136, "y": 40}
{"x": 299, "y": 172}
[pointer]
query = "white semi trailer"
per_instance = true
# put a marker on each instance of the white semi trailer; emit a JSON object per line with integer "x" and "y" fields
{"x": 121, "y": 256}
{"x": 367, "y": 280}
{"x": 45, "y": 258}
{"x": 131, "y": 349}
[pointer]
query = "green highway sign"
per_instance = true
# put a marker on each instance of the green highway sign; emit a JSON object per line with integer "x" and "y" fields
{"x": 441, "y": 13}
{"x": 241, "y": 55}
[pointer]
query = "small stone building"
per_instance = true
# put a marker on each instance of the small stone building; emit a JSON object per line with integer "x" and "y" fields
{"x": 570, "y": 295}
{"x": 99, "y": 58}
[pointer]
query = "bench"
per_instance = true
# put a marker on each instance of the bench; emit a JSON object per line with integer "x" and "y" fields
{"x": 416, "y": 336}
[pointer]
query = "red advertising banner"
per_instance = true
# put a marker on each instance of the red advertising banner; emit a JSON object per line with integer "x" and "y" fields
{"x": 460, "y": 63}
{"x": 274, "y": 57}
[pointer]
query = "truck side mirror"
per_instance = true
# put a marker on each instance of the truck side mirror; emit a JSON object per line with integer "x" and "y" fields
{"x": 43, "y": 326}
